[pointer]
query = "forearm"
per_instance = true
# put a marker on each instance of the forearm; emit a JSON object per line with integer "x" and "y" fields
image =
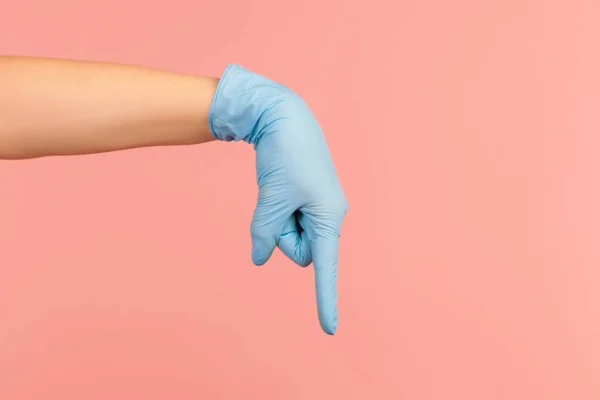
{"x": 59, "y": 107}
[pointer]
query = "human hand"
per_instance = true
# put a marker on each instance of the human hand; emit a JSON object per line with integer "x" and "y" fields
{"x": 301, "y": 203}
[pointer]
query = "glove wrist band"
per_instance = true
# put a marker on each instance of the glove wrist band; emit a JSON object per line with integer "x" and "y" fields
{"x": 241, "y": 98}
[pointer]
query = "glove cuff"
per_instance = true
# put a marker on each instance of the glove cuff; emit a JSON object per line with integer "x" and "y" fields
{"x": 240, "y": 100}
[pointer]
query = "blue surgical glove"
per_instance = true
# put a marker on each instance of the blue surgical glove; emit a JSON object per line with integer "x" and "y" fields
{"x": 300, "y": 200}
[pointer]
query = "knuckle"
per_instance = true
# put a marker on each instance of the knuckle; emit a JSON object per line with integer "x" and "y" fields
{"x": 257, "y": 231}
{"x": 338, "y": 207}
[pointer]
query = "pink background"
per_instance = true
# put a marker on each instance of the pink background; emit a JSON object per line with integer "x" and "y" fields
{"x": 466, "y": 135}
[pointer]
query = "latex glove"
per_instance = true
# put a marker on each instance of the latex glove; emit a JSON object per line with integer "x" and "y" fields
{"x": 300, "y": 200}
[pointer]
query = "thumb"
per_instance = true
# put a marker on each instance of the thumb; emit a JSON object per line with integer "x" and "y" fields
{"x": 293, "y": 241}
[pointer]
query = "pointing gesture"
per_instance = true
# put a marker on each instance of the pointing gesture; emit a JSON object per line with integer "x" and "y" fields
{"x": 301, "y": 204}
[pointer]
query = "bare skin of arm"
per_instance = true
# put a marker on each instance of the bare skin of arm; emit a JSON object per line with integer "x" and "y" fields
{"x": 54, "y": 107}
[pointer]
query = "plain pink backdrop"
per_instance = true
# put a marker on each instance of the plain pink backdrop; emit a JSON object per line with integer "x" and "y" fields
{"x": 466, "y": 135}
